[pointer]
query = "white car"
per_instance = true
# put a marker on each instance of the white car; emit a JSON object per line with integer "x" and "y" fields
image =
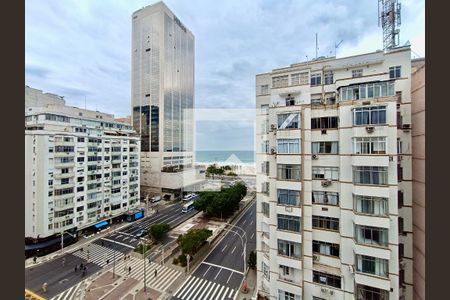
{"x": 155, "y": 199}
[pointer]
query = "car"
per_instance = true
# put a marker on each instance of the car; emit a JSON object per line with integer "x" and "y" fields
{"x": 140, "y": 233}
{"x": 155, "y": 199}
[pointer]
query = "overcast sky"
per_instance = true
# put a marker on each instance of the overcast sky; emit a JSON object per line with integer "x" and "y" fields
{"x": 82, "y": 48}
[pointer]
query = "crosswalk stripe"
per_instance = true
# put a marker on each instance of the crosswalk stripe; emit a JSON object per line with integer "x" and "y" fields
{"x": 181, "y": 288}
{"x": 220, "y": 292}
{"x": 214, "y": 292}
{"x": 194, "y": 289}
{"x": 225, "y": 293}
{"x": 235, "y": 295}
{"x": 190, "y": 286}
{"x": 207, "y": 287}
{"x": 231, "y": 293}
{"x": 163, "y": 280}
{"x": 200, "y": 288}
{"x": 213, "y": 287}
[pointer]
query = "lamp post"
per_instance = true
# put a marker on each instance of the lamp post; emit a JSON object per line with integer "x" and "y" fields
{"x": 145, "y": 270}
{"x": 188, "y": 257}
{"x": 62, "y": 240}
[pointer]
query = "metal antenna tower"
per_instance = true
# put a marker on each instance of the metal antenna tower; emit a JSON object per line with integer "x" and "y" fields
{"x": 389, "y": 12}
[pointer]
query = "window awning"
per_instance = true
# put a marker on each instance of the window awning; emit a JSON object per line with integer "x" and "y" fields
{"x": 101, "y": 224}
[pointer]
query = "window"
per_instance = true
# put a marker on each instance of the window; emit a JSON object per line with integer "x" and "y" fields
{"x": 283, "y": 295}
{"x": 325, "y": 198}
{"x": 290, "y": 101}
{"x": 364, "y": 292}
{"x": 80, "y": 208}
{"x": 65, "y": 181}
{"x": 325, "y": 147}
{"x": 265, "y": 209}
{"x": 316, "y": 79}
{"x": 320, "y": 222}
{"x": 80, "y": 159}
{"x": 329, "y": 173}
{"x": 400, "y": 226}
{"x": 64, "y": 148}
{"x": 264, "y": 89}
{"x": 370, "y": 175}
{"x": 285, "y": 270}
{"x": 369, "y": 145}
{"x": 357, "y": 73}
{"x": 289, "y": 248}
{"x": 399, "y": 146}
{"x": 50, "y": 182}
{"x": 326, "y": 248}
{"x": 280, "y": 81}
{"x": 288, "y": 120}
{"x": 80, "y": 140}
{"x": 327, "y": 279}
{"x": 371, "y": 235}
{"x": 399, "y": 173}
{"x": 289, "y": 172}
{"x": 50, "y": 193}
{"x": 289, "y": 223}
{"x": 328, "y": 77}
{"x": 265, "y": 188}
{"x": 80, "y": 188}
{"x": 265, "y": 168}
{"x": 295, "y": 79}
{"x": 395, "y": 72}
{"x": 324, "y": 123}
{"x": 370, "y": 205}
{"x": 264, "y": 108}
{"x": 288, "y": 197}
{"x": 400, "y": 199}
{"x": 369, "y": 115}
{"x": 372, "y": 265}
{"x": 288, "y": 146}
{"x": 367, "y": 90}
{"x": 266, "y": 270}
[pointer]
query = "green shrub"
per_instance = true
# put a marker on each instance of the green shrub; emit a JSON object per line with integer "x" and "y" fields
{"x": 175, "y": 261}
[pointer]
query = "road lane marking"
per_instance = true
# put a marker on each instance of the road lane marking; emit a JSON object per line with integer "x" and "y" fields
{"x": 220, "y": 291}
{"x": 215, "y": 290}
{"x": 233, "y": 249}
{"x": 116, "y": 242}
{"x": 231, "y": 293}
{"x": 222, "y": 267}
{"x": 224, "y": 248}
{"x": 251, "y": 222}
{"x": 253, "y": 234}
{"x": 224, "y": 293}
{"x": 229, "y": 277}
{"x": 244, "y": 222}
{"x": 220, "y": 270}
{"x": 207, "y": 287}
{"x": 206, "y": 271}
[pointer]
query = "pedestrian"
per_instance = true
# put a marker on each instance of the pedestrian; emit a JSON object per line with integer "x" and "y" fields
{"x": 81, "y": 266}
{"x": 103, "y": 243}
{"x": 35, "y": 259}
{"x": 44, "y": 287}
{"x": 63, "y": 262}
{"x": 76, "y": 268}
{"x": 129, "y": 270}
{"x": 107, "y": 261}
{"x": 156, "y": 273}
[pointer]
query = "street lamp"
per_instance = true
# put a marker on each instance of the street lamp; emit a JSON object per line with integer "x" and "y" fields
{"x": 142, "y": 242}
{"x": 62, "y": 240}
{"x": 188, "y": 257}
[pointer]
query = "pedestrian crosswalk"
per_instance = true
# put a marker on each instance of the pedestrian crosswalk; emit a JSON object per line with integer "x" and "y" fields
{"x": 70, "y": 294}
{"x": 159, "y": 280}
{"x": 100, "y": 255}
{"x": 199, "y": 288}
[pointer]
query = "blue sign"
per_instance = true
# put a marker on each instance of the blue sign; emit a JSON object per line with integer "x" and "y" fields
{"x": 138, "y": 215}
{"x": 101, "y": 224}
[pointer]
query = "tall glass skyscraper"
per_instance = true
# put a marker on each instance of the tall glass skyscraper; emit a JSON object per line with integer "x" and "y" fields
{"x": 163, "y": 99}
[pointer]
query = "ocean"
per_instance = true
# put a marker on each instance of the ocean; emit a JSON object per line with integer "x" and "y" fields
{"x": 244, "y": 157}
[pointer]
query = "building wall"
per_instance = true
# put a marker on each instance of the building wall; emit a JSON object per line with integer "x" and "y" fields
{"x": 418, "y": 169}
{"x": 301, "y": 280}
{"x": 61, "y": 148}
{"x": 162, "y": 93}
{"x": 35, "y": 97}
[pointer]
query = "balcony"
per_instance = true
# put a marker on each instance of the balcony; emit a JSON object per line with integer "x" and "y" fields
{"x": 64, "y": 154}
{"x": 63, "y": 175}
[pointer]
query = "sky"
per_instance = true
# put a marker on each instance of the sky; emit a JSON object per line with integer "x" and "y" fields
{"x": 81, "y": 49}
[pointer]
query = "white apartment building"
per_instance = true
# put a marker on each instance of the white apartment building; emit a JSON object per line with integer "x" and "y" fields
{"x": 334, "y": 204}
{"x": 162, "y": 96}
{"x": 81, "y": 168}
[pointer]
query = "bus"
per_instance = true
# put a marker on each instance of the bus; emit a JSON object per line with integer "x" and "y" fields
{"x": 190, "y": 197}
{"x": 188, "y": 207}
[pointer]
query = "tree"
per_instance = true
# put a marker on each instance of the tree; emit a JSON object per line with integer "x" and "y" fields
{"x": 191, "y": 241}
{"x": 157, "y": 231}
{"x": 252, "y": 260}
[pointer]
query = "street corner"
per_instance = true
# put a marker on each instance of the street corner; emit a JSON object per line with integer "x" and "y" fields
{"x": 146, "y": 295}
{"x": 101, "y": 286}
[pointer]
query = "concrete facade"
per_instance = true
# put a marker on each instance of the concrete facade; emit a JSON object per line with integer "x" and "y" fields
{"x": 163, "y": 99}
{"x": 82, "y": 167}
{"x": 334, "y": 178}
{"x": 418, "y": 174}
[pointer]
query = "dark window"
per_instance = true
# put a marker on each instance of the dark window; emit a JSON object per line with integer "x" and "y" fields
{"x": 395, "y": 72}
{"x": 326, "y": 248}
{"x": 401, "y": 250}
{"x": 324, "y": 122}
{"x": 319, "y": 222}
{"x": 400, "y": 199}
{"x": 316, "y": 79}
{"x": 327, "y": 279}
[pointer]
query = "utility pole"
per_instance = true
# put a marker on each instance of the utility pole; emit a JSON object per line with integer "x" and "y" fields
{"x": 316, "y": 45}
{"x": 188, "y": 257}
{"x": 145, "y": 271}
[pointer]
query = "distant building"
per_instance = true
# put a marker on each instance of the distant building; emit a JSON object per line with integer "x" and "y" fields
{"x": 162, "y": 95}
{"x": 418, "y": 174}
{"x": 126, "y": 120}
{"x": 334, "y": 178}
{"x": 82, "y": 168}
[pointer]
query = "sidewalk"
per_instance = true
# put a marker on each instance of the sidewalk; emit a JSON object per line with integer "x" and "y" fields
{"x": 81, "y": 242}
{"x": 251, "y": 286}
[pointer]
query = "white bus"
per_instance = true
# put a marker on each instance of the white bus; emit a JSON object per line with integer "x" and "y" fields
{"x": 190, "y": 197}
{"x": 188, "y": 207}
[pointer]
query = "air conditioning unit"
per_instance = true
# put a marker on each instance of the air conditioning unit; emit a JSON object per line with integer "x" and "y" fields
{"x": 331, "y": 292}
{"x": 315, "y": 156}
{"x": 326, "y": 182}
{"x": 402, "y": 265}
{"x": 316, "y": 257}
{"x": 273, "y": 127}
{"x": 273, "y": 151}
{"x": 324, "y": 131}
{"x": 370, "y": 129}
{"x": 366, "y": 102}
{"x": 406, "y": 126}
{"x": 323, "y": 290}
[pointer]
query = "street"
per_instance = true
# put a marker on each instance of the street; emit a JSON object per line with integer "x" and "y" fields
{"x": 220, "y": 274}
{"x": 98, "y": 254}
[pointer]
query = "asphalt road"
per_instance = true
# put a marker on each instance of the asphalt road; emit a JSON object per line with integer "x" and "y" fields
{"x": 101, "y": 252}
{"x": 220, "y": 274}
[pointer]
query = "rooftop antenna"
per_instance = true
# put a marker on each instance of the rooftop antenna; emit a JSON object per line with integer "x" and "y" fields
{"x": 336, "y": 45}
{"x": 389, "y": 18}
{"x": 317, "y": 48}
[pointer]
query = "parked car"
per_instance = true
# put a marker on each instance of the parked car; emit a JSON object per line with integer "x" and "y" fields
{"x": 155, "y": 199}
{"x": 140, "y": 233}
